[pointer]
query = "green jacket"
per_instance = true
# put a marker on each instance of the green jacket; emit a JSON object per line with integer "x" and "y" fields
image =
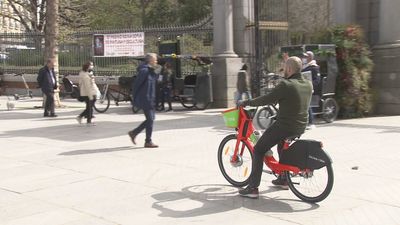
{"x": 293, "y": 96}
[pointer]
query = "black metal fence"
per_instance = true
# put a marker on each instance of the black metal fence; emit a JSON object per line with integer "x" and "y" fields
{"x": 24, "y": 52}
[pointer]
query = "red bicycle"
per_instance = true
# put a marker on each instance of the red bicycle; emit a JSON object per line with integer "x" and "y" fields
{"x": 304, "y": 163}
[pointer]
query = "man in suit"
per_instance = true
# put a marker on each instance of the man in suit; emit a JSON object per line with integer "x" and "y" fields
{"x": 48, "y": 83}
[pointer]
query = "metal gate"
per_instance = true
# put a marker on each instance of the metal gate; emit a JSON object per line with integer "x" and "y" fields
{"x": 271, "y": 32}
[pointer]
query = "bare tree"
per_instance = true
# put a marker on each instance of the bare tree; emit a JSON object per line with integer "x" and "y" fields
{"x": 51, "y": 37}
{"x": 307, "y": 17}
{"x": 29, "y": 13}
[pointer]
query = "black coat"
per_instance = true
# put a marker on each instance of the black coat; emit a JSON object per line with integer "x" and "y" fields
{"x": 44, "y": 80}
{"x": 144, "y": 88}
{"x": 316, "y": 79}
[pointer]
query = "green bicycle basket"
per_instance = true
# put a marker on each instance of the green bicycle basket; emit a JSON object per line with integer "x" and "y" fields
{"x": 231, "y": 117}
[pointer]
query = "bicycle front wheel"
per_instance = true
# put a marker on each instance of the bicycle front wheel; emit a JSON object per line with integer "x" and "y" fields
{"x": 311, "y": 185}
{"x": 102, "y": 104}
{"x": 265, "y": 117}
{"x": 235, "y": 168}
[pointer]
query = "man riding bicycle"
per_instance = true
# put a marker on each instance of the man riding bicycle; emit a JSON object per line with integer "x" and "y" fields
{"x": 293, "y": 95}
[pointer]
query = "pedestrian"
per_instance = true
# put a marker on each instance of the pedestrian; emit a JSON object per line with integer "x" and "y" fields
{"x": 309, "y": 64}
{"x": 242, "y": 85}
{"x": 88, "y": 91}
{"x": 144, "y": 92}
{"x": 48, "y": 83}
{"x": 293, "y": 95}
{"x": 166, "y": 85}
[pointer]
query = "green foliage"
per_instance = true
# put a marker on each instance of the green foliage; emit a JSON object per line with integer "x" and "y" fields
{"x": 118, "y": 14}
{"x": 190, "y": 11}
{"x": 353, "y": 91}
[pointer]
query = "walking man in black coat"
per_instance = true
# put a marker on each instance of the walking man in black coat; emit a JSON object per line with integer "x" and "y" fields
{"x": 144, "y": 92}
{"x": 48, "y": 83}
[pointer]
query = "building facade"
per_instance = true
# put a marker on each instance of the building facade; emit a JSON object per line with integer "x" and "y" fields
{"x": 379, "y": 19}
{"x": 7, "y": 23}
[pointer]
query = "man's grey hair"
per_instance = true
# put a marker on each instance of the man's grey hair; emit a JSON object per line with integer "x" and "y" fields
{"x": 295, "y": 64}
{"x": 149, "y": 56}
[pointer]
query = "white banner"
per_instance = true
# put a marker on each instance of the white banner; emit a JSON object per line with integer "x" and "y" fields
{"x": 118, "y": 45}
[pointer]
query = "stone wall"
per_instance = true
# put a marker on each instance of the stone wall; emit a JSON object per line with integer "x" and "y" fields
{"x": 386, "y": 78}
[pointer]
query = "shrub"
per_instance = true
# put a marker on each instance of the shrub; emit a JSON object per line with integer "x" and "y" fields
{"x": 353, "y": 91}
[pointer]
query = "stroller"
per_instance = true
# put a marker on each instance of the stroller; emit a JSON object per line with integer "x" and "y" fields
{"x": 69, "y": 88}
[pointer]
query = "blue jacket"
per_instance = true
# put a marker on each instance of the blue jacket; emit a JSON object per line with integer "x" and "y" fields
{"x": 144, "y": 88}
{"x": 44, "y": 80}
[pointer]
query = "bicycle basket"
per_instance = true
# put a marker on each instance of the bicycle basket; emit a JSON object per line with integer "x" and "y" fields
{"x": 231, "y": 117}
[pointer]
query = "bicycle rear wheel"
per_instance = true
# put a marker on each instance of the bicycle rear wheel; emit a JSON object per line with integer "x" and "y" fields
{"x": 187, "y": 101}
{"x": 311, "y": 185}
{"x": 236, "y": 172}
{"x": 103, "y": 103}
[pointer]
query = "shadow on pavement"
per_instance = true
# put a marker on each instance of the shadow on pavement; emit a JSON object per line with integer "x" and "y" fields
{"x": 386, "y": 129}
{"x": 216, "y": 198}
{"x": 74, "y": 132}
{"x": 99, "y": 150}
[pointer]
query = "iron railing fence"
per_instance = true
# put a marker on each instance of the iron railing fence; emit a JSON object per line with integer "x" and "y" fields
{"x": 24, "y": 52}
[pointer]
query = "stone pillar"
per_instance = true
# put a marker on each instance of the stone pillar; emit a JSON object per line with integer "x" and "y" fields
{"x": 226, "y": 63}
{"x": 223, "y": 28}
{"x": 242, "y": 16}
{"x": 344, "y": 11}
{"x": 386, "y": 56}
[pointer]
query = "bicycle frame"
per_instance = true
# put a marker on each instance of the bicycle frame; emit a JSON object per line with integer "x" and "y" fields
{"x": 244, "y": 131}
{"x": 108, "y": 90}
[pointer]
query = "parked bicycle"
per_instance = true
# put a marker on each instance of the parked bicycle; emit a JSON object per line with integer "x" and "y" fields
{"x": 122, "y": 93}
{"x": 266, "y": 115}
{"x": 306, "y": 166}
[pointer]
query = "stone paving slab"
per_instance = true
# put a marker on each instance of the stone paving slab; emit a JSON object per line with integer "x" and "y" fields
{"x": 55, "y": 171}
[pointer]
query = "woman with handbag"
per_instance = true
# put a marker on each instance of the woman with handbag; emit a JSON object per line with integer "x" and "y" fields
{"x": 88, "y": 90}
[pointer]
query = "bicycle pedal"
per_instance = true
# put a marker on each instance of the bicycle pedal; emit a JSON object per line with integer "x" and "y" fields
{"x": 268, "y": 171}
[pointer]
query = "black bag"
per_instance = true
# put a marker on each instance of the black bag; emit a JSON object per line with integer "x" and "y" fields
{"x": 305, "y": 154}
{"x": 81, "y": 98}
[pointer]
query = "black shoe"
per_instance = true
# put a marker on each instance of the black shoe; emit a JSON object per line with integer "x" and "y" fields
{"x": 53, "y": 115}
{"x": 281, "y": 182}
{"x": 46, "y": 115}
{"x": 132, "y": 136}
{"x": 249, "y": 192}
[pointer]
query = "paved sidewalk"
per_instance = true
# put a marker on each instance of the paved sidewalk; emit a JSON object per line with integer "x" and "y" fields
{"x": 56, "y": 172}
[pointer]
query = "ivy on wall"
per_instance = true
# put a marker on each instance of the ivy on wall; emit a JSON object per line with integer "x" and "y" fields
{"x": 353, "y": 92}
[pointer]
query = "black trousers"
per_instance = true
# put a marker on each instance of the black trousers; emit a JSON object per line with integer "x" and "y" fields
{"x": 49, "y": 104}
{"x": 88, "y": 112}
{"x": 271, "y": 137}
{"x": 166, "y": 97}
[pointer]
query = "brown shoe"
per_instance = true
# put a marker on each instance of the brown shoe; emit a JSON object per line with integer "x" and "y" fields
{"x": 150, "y": 145}
{"x": 132, "y": 136}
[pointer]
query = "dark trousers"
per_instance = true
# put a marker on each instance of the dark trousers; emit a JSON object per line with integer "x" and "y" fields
{"x": 88, "y": 112}
{"x": 271, "y": 137}
{"x": 147, "y": 124}
{"x": 166, "y": 96}
{"x": 49, "y": 104}
{"x": 310, "y": 116}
